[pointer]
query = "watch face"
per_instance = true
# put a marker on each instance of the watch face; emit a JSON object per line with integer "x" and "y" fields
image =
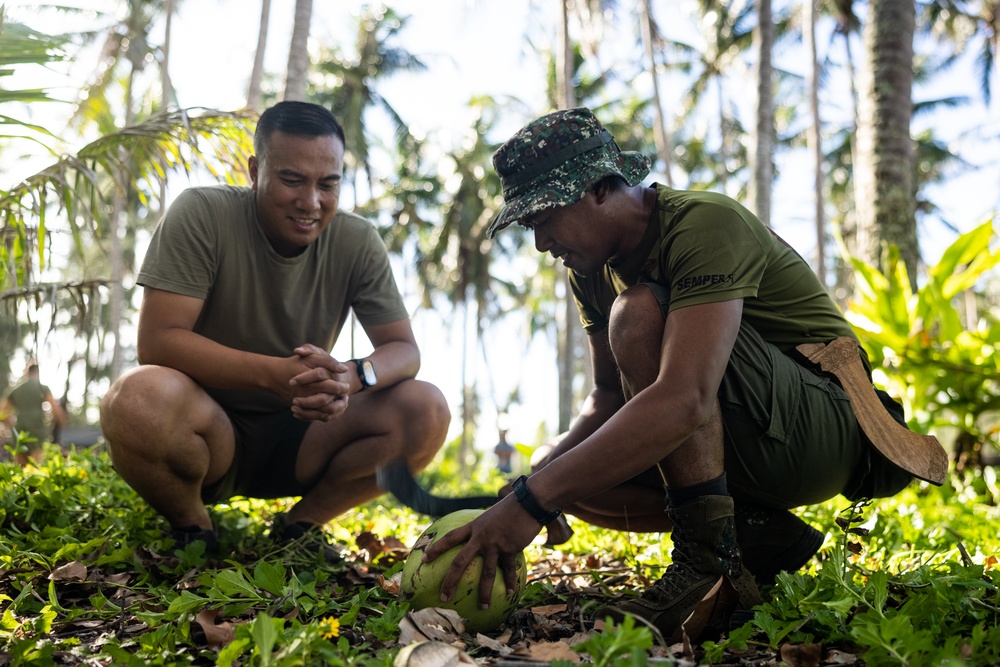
{"x": 368, "y": 369}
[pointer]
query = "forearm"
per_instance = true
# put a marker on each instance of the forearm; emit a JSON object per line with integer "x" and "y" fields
{"x": 209, "y": 363}
{"x": 394, "y": 362}
{"x": 634, "y": 439}
{"x": 599, "y": 407}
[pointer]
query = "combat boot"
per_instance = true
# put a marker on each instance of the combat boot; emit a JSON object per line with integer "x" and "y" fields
{"x": 773, "y": 541}
{"x": 704, "y": 584}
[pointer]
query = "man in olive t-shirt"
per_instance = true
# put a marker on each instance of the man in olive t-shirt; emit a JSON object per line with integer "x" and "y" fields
{"x": 246, "y": 290}
{"x": 24, "y": 411}
{"x": 692, "y": 308}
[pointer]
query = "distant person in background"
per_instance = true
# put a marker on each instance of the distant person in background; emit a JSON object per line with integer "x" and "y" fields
{"x": 24, "y": 411}
{"x": 505, "y": 452}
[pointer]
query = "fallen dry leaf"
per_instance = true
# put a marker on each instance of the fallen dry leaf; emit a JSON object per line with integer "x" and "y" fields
{"x": 549, "y": 609}
{"x": 432, "y": 654}
{"x": 549, "y": 651}
{"x": 432, "y": 623}
{"x": 391, "y": 585}
{"x": 217, "y": 634}
{"x": 493, "y": 644}
{"x": 75, "y": 571}
{"x": 801, "y": 655}
{"x": 835, "y": 657}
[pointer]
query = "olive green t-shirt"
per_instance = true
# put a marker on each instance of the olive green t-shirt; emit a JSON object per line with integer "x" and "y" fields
{"x": 28, "y": 399}
{"x": 210, "y": 246}
{"x": 706, "y": 248}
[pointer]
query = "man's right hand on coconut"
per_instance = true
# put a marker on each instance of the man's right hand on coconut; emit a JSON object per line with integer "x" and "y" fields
{"x": 499, "y": 535}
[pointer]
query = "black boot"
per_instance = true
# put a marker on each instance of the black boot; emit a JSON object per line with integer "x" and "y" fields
{"x": 706, "y": 582}
{"x": 774, "y": 541}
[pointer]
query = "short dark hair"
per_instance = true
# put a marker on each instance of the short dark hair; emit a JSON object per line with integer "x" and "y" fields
{"x": 302, "y": 119}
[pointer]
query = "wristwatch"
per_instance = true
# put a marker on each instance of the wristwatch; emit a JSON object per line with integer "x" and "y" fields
{"x": 366, "y": 373}
{"x": 527, "y": 500}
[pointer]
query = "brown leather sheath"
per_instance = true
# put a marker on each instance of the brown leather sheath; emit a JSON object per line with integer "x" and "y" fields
{"x": 918, "y": 454}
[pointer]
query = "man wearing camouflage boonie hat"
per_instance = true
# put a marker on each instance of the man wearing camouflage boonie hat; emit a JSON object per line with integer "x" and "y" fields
{"x": 693, "y": 309}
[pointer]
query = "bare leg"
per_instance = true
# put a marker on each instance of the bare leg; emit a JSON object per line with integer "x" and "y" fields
{"x": 636, "y": 334}
{"x": 337, "y": 461}
{"x": 167, "y": 438}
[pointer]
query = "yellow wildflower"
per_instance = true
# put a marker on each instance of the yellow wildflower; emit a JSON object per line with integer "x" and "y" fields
{"x": 329, "y": 627}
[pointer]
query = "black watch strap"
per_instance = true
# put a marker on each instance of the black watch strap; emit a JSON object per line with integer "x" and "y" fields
{"x": 359, "y": 364}
{"x": 528, "y": 502}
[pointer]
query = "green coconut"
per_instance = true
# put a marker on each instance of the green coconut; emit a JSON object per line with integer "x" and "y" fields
{"x": 421, "y": 585}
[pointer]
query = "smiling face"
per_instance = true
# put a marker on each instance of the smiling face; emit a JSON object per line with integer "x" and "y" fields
{"x": 297, "y": 181}
{"x": 575, "y": 234}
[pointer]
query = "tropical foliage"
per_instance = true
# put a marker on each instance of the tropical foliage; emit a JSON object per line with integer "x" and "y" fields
{"x": 938, "y": 347}
{"x": 88, "y": 576}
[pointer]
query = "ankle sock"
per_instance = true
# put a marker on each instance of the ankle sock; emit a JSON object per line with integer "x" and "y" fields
{"x": 713, "y": 487}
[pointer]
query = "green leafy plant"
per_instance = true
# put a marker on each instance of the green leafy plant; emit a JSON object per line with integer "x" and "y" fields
{"x": 618, "y": 644}
{"x": 937, "y": 348}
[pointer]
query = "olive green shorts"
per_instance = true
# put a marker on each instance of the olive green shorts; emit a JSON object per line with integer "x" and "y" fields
{"x": 267, "y": 447}
{"x": 791, "y": 437}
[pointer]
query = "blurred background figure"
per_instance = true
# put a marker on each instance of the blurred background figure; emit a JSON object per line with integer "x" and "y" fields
{"x": 25, "y": 411}
{"x": 505, "y": 453}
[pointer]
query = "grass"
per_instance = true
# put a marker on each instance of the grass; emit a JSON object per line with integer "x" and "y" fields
{"x": 88, "y": 577}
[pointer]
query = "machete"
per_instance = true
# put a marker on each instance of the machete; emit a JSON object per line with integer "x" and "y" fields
{"x": 396, "y": 478}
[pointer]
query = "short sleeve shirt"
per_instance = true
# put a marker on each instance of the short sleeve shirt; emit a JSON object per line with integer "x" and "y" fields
{"x": 706, "y": 248}
{"x": 210, "y": 246}
{"x": 28, "y": 399}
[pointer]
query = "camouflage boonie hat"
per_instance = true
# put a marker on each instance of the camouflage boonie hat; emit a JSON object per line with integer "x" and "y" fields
{"x": 554, "y": 160}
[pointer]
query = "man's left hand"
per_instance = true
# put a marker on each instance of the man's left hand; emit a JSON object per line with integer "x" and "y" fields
{"x": 498, "y": 535}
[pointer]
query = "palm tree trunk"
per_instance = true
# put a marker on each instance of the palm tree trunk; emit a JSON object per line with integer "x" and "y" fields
{"x": 298, "y": 52}
{"x": 116, "y": 296}
{"x": 168, "y": 89}
{"x": 884, "y": 174}
{"x": 254, "y": 96}
{"x": 467, "y": 396}
{"x": 844, "y": 275}
{"x": 660, "y": 136}
{"x": 723, "y": 167}
{"x": 813, "y": 133}
{"x": 763, "y": 136}
{"x": 570, "y": 321}
{"x": 564, "y": 60}
{"x": 167, "y": 93}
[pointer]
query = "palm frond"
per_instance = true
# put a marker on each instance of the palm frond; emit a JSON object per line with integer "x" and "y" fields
{"x": 79, "y": 187}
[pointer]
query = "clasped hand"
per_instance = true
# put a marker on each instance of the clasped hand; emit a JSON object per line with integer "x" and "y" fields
{"x": 319, "y": 390}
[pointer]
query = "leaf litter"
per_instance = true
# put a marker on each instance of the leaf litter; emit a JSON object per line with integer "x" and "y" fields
{"x": 86, "y": 587}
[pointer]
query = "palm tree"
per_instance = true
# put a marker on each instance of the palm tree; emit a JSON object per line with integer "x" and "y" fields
{"x": 254, "y": 94}
{"x": 883, "y": 174}
{"x": 651, "y": 39}
{"x": 296, "y": 77}
{"x": 814, "y": 132}
{"x": 727, "y": 32}
{"x": 19, "y": 256}
{"x": 69, "y": 197}
{"x": 348, "y": 84}
{"x": 454, "y": 259}
{"x": 970, "y": 25}
{"x": 762, "y": 153}
{"x": 125, "y": 46}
